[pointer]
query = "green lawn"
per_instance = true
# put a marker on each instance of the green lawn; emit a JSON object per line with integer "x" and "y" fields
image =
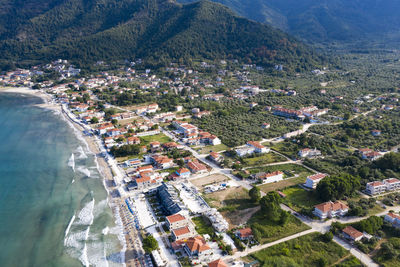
{"x": 162, "y": 138}
{"x": 270, "y": 231}
{"x": 287, "y": 148}
{"x": 263, "y": 159}
{"x": 281, "y": 185}
{"x": 308, "y": 250}
{"x": 297, "y": 198}
{"x": 289, "y": 169}
{"x": 217, "y": 148}
{"x": 203, "y": 226}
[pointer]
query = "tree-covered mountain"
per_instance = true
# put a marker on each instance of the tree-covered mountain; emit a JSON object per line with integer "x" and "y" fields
{"x": 158, "y": 30}
{"x": 324, "y": 20}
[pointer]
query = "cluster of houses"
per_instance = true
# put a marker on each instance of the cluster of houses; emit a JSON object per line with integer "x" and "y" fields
{"x": 309, "y": 112}
{"x": 379, "y": 187}
{"x": 250, "y": 148}
{"x": 191, "y": 135}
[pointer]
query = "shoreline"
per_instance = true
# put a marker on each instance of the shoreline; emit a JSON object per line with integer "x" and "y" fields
{"x": 104, "y": 168}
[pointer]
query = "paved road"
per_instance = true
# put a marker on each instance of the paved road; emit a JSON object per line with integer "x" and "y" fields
{"x": 260, "y": 247}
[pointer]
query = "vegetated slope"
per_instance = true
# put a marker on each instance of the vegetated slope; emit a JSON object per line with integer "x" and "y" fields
{"x": 324, "y": 20}
{"x": 158, "y": 30}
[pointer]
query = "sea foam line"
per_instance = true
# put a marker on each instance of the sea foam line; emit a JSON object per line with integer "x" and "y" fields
{"x": 69, "y": 227}
{"x": 71, "y": 162}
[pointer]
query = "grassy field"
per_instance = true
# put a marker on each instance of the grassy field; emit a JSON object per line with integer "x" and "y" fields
{"x": 297, "y": 198}
{"x": 289, "y": 169}
{"x": 270, "y": 231}
{"x": 162, "y": 138}
{"x": 211, "y": 179}
{"x": 289, "y": 149}
{"x": 203, "y": 225}
{"x": 308, "y": 250}
{"x": 230, "y": 199}
{"x": 217, "y": 148}
{"x": 263, "y": 159}
{"x": 234, "y": 204}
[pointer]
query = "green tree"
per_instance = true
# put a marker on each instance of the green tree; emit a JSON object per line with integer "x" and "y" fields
{"x": 94, "y": 120}
{"x": 270, "y": 205}
{"x": 150, "y": 244}
{"x": 255, "y": 194}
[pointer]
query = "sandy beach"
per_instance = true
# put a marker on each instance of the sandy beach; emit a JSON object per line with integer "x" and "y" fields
{"x": 104, "y": 168}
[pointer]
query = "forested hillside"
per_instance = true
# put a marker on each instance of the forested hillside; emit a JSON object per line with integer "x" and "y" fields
{"x": 158, "y": 30}
{"x": 324, "y": 20}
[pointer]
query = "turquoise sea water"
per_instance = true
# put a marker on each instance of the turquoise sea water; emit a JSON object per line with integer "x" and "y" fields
{"x": 53, "y": 206}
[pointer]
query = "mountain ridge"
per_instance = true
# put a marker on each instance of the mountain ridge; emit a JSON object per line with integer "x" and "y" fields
{"x": 159, "y": 30}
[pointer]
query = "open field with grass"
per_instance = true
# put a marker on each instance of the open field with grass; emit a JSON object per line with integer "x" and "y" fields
{"x": 263, "y": 159}
{"x": 208, "y": 149}
{"x": 281, "y": 184}
{"x": 267, "y": 230}
{"x": 288, "y": 149}
{"x": 298, "y": 198}
{"x": 308, "y": 250}
{"x": 234, "y": 204}
{"x": 162, "y": 138}
{"x": 203, "y": 225}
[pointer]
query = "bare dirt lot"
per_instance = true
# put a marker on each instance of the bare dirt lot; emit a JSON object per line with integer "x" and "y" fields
{"x": 211, "y": 179}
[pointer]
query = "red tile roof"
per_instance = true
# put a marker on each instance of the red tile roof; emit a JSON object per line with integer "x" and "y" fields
{"x": 351, "y": 231}
{"x": 245, "y": 232}
{"x": 197, "y": 243}
{"x": 175, "y": 218}
{"x": 181, "y": 231}
{"x": 217, "y": 263}
{"x": 331, "y": 206}
{"x": 317, "y": 176}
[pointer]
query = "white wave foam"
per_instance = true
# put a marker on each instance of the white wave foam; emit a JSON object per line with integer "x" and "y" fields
{"x": 105, "y": 230}
{"x": 69, "y": 226}
{"x": 83, "y": 170}
{"x": 82, "y": 154}
{"x": 86, "y": 216}
{"x": 71, "y": 162}
{"x": 73, "y": 181}
{"x": 84, "y": 256}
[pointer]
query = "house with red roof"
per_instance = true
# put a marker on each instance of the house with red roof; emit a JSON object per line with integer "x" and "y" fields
{"x": 392, "y": 184}
{"x": 376, "y": 187}
{"x": 176, "y": 221}
{"x": 216, "y": 157}
{"x": 162, "y": 162}
{"x": 244, "y": 234}
{"x": 330, "y": 209}
{"x": 217, "y": 263}
{"x": 352, "y": 234}
{"x": 182, "y": 233}
{"x": 197, "y": 247}
{"x": 197, "y": 167}
{"x": 314, "y": 179}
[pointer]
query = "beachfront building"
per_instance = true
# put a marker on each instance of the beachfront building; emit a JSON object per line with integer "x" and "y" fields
{"x": 330, "y": 209}
{"x": 314, "y": 179}
{"x": 169, "y": 199}
{"x": 176, "y": 221}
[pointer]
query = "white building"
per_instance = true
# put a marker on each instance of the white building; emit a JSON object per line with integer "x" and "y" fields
{"x": 376, "y": 187}
{"x": 392, "y": 184}
{"x": 314, "y": 179}
{"x": 330, "y": 209}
